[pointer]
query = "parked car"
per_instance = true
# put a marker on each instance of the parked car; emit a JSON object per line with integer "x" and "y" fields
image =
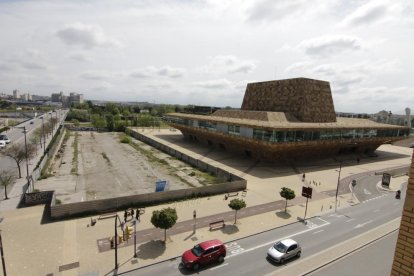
{"x": 4, "y": 138}
{"x": 204, "y": 253}
{"x": 283, "y": 250}
{"x": 2, "y": 144}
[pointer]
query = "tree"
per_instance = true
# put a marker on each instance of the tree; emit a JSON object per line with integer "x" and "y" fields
{"x": 6, "y": 178}
{"x": 164, "y": 219}
{"x": 237, "y": 204}
{"x": 287, "y": 194}
{"x": 18, "y": 153}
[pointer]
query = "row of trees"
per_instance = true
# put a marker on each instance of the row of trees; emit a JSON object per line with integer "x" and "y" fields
{"x": 17, "y": 151}
{"x": 167, "y": 217}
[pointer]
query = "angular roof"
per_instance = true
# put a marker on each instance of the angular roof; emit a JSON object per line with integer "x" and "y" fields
{"x": 280, "y": 120}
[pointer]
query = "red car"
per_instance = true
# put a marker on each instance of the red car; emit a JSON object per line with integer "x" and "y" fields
{"x": 204, "y": 253}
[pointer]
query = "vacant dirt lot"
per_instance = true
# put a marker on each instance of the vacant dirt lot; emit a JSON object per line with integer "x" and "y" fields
{"x": 105, "y": 168}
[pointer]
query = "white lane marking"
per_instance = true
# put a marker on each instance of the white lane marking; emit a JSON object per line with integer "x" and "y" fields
{"x": 219, "y": 266}
{"x": 147, "y": 234}
{"x": 376, "y": 210}
{"x": 363, "y": 224}
{"x": 350, "y": 220}
{"x": 318, "y": 231}
{"x": 272, "y": 242}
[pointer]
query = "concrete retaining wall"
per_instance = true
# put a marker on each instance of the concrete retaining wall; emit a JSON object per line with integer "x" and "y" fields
{"x": 111, "y": 204}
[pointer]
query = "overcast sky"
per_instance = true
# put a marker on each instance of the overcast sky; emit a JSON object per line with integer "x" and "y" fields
{"x": 205, "y": 52}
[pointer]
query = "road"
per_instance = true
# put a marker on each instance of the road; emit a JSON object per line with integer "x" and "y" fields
{"x": 247, "y": 256}
{"x": 16, "y": 135}
{"x": 372, "y": 260}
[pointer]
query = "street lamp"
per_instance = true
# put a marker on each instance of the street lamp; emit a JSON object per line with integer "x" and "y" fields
{"x": 337, "y": 185}
{"x": 135, "y": 221}
{"x": 2, "y": 256}
{"x": 27, "y": 162}
{"x": 43, "y": 135}
{"x": 116, "y": 239}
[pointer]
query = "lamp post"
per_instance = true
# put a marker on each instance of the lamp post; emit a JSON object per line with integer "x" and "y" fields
{"x": 337, "y": 185}
{"x": 135, "y": 221}
{"x": 27, "y": 161}
{"x": 43, "y": 135}
{"x": 2, "y": 256}
{"x": 116, "y": 239}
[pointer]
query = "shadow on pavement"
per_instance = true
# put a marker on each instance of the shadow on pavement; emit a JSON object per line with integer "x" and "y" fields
{"x": 230, "y": 229}
{"x": 151, "y": 249}
{"x": 283, "y": 214}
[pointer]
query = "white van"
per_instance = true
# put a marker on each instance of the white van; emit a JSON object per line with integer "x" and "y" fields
{"x": 2, "y": 144}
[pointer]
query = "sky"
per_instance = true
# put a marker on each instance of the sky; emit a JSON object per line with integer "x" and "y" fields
{"x": 204, "y": 52}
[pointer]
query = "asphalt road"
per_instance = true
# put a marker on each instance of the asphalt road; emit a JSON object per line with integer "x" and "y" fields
{"x": 372, "y": 260}
{"x": 248, "y": 256}
{"x": 16, "y": 135}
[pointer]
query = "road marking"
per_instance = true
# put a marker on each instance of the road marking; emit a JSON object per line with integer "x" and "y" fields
{"x": 272, "y": 242}
{"x": 396, "y": 203}
{"x": 219, "y": 266}
{"x": 367, "y": 192}
{"x": 147, "y": 234}
{"x": 376, "y": 210}
{"x": 363, "y": 224}
{"x": 350, "y": 220}
{"x": 318, "y": 231}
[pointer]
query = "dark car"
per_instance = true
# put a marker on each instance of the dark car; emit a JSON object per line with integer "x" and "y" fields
{"x": 204, "y": 253}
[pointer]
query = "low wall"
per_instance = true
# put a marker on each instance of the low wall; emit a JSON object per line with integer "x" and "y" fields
{"x": 395, "y": 171}
{"x": 31, "y": 199}
{"x": 142, "y": 200}
{"x": 233, "y": 184}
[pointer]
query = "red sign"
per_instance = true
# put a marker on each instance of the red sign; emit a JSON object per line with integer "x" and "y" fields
{"x": 307, "y": 192}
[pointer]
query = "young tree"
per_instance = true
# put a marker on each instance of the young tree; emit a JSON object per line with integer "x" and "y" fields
{"x": 287, "y": 194}
{"x": 237, "y": 204}
{"x": 18, "y": 153}
{"x": 6, "y": 178}
{"x": 164, "y": 219}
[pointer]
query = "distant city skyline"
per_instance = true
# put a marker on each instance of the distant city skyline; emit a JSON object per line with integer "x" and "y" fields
{"x": 205, "y": 52}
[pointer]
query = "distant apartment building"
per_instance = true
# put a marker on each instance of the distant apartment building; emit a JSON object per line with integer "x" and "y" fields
{"x": 57, "y": 97}
{"x": 16, "y": 94}
{"x": 75, "y": 98}
{"x": 67, "y": 101}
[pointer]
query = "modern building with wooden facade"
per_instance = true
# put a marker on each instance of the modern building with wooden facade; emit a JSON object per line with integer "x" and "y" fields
{"x": 286, "y": 119}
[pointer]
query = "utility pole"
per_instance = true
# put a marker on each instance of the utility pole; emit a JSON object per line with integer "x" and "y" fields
{"x": 337, "y": 185}
{"x": 2, "y": 256}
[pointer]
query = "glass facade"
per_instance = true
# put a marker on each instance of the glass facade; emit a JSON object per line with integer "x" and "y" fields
{"x": 285, "y": 136}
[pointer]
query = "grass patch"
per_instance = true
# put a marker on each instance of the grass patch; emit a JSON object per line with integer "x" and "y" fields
{"x": 106, "y": 158}
{"x": 74, "y": 169}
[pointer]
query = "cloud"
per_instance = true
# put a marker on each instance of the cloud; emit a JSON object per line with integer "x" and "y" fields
{"x": 329, "y": 45}
{"x": 164, "y": 71}
{"x": 270, "y": 10}
{"x": 228, "y": 64}
{"x": 343, "y": 77}
{"x": 214, "y": 84}
{"x": 368, "y": 13}
{"x": 79, "y": 57}
{"x": 86, "y": 36}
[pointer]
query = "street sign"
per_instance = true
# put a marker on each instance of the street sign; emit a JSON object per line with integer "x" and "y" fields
{"x": 386, "y": 178}
{"x": 307, "y": 192}
{"x": 160, "y": 185}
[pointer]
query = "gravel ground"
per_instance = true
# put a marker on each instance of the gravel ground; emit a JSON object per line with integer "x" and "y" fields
{"x": 108, "y": 168}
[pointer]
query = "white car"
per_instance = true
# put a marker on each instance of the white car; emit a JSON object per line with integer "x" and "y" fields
{"x": 4, "y": 138}
{"x": 2, "y": 144}
{"x": 283, "y": 250}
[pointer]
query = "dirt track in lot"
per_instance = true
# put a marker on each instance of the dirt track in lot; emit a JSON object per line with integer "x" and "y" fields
{"x": 108, "y": 168}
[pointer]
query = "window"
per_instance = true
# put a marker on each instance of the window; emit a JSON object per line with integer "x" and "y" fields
{"x": 234, "y": 130}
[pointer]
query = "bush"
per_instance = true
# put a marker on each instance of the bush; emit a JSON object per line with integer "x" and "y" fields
{"x": 125, "y": 140}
